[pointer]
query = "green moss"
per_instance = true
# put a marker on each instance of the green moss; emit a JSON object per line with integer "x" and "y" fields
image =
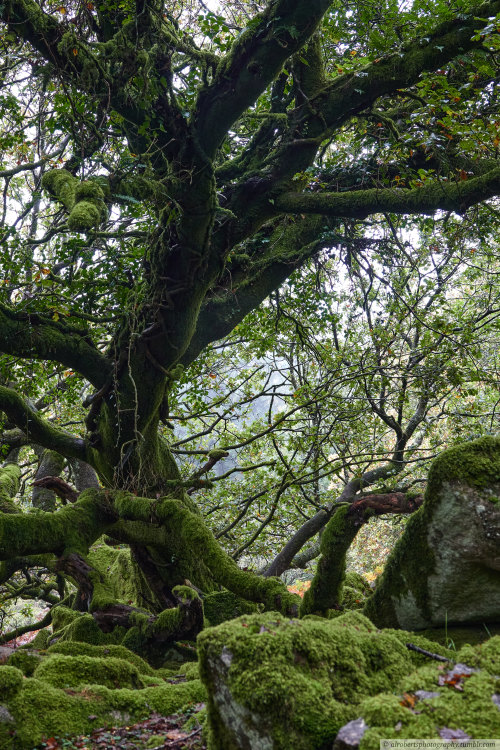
{"x": 297, "y": 681}
{"x": 41, "y": 710}
{"x": 185, "y": 594}
{"x": 26, "y": 661}
{"x": 84, "y": 216}
{"x": 123, "y": 579}
{"x": 325, "y": 591}
{"x": 393, "y": 585}
{"x": 63, "y": 616}
{"x": 157, "y": 740}
{"x": 402, "y": 595}
{"x": 64, "y": 671}
{"x": 83, "y": 200}
{"x": 84, "y": 628}
{"x": 61, "y": 185}
{"x": 187, "y": 534}
{"x": 41, "y": 639}
{"x": 9, "y": 485}
{"x": 190, "y": 670}
{"x": 11, "y": 680}
{"x": 356, "y": 581}
{"x": 76, "y": 648}
{"x": 141, "y": 620}
{"x": 476, "y": 463}
{"x": 90, "y": 190}
{"x": 418, "y": 639}
{"x": 352, "y": 598}
{"x": 484, "y": 656}
{"x": 220, "y": 606}
{"x": 470, "y": 708}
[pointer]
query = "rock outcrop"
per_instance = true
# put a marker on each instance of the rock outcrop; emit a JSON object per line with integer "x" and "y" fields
{"x": 445, "y": 569}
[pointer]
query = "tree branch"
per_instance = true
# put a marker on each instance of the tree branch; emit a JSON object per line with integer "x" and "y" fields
{"x": 359, "y": 204}
{"x": 254, "y": 61}
{"x": 61, "y": 488}
{"x": 31, "y": 335}
{"x": 38, "y": 429}
{"x": 289, "y": 246}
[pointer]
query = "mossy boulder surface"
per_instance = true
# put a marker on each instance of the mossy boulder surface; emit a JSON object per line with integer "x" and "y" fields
{"x": 275, "y": 682}
{"x": 64, "y": 671}
{"x": 446, "y": 566}
{"x": 437, "y": 698}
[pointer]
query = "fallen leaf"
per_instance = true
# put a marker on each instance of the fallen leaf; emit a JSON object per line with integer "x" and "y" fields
{"x": 408, "y": 701}
{"x": 453, "y": 734}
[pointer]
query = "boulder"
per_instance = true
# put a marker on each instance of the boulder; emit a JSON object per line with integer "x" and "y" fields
{"x": 275, "y": 683}
{"x": 445, "y": 569}
{"x": 316, "y": 684}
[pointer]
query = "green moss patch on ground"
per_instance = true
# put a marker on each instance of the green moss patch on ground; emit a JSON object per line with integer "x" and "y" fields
{"x": 293, "y": 681}
{"x": 76, "y": 688}
{"x": 439, "y": 697}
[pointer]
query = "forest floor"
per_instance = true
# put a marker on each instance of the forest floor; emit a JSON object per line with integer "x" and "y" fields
{"x": 158, "y": 732}
{"x": 154, "y": 733}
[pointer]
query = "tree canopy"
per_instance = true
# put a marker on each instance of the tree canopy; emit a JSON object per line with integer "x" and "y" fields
{"x": 166, "y": 168}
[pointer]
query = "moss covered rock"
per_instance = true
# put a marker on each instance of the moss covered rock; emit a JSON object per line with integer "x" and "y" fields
{"x": 26, "y": 661}
{"x": 11, "y": 680}
{"x": 278, "y": 683}
{"x": 73, "y": 694}
{"x": 446, "y": 566}
{"x": 437, "y": 698}
{"x": 64, "y": 671}
{"x": 77, "y": 648}
{"x": 275, "y": 683}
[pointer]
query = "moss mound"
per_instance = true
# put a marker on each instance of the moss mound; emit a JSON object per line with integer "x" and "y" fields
{"x": 436, "y": 698}
{"x": 220, "y": 606}
{"x": 73, "y": 693}
{"x": 26, "y": 661}
{"x": 65, "y": 671}
{"x": 77, "y": 648}
{"x": 293, "y": 683}
{"x": 11, "y": 680}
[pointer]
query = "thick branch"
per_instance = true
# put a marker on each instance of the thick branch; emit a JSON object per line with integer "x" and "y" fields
{"x": 57, "y": 485}
{"x": 352, "y": 93}
{"x": 33, "y": 336}
{"x": 183, "y": 621}
{"x": 326, "y": 588}
{"x": 447, "y": 196}
{"x": 379, "y": 504}
{"x": 253, "y": 63}
{"x": 38, "y": 429}
{"x": 291, "y": 246}
{"x": 75, "y": 527}
{"x": 311, "y": 527}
